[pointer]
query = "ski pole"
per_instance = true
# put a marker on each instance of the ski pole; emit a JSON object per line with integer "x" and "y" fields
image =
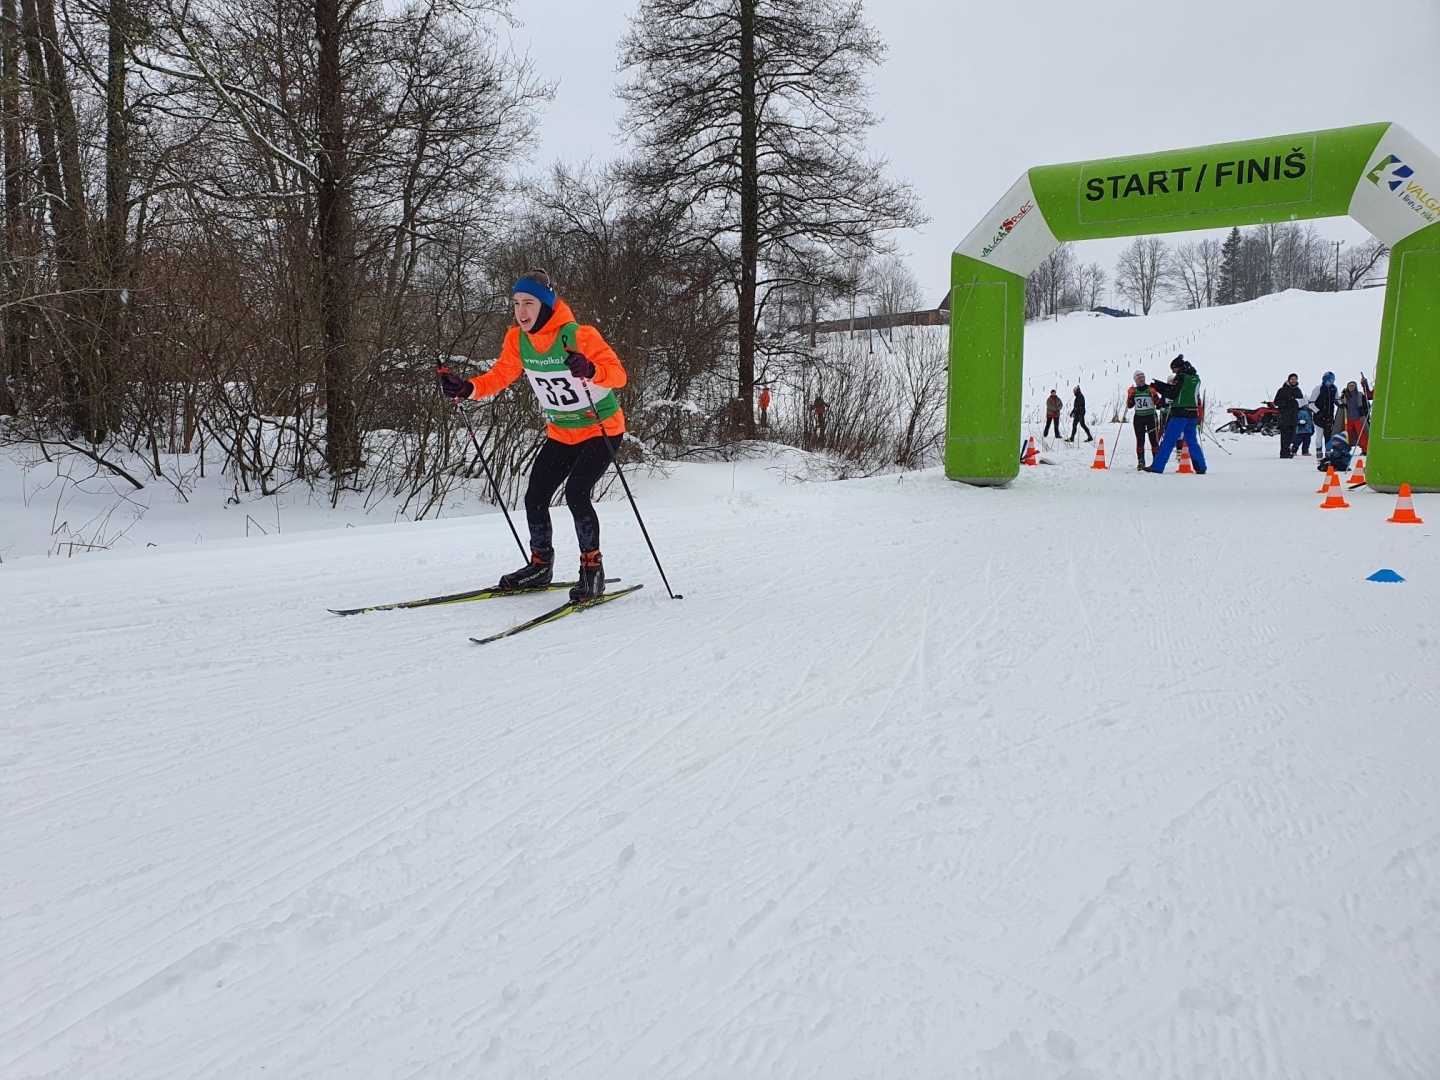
{"x": 1206, "y": 431}
{"x": 585, "y": 384}
{"x": 470, "y": 427}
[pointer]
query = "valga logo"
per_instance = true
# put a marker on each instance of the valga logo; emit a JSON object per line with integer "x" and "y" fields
{"x": 1395, "y": 171}
{"x": 1396, "y": 175}
{"x": 1006, "y": 227}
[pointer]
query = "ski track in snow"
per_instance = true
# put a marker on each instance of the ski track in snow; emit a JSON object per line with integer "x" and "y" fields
{"x": 1101, "y": 776}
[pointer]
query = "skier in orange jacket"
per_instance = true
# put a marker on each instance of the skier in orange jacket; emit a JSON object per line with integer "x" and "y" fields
{"x": 574, "y": 374}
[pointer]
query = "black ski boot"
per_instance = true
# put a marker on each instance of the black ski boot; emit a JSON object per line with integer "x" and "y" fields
{"x": 535, "y": 574}
{"x": 1141, "y": 466}
{"x": 591, "y": 585}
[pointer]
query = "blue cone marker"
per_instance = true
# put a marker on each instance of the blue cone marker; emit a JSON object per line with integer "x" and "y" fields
{"x": 1385, "y": 575}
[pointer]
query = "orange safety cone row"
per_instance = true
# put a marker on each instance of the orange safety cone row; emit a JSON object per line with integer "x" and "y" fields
{"x": 1099, "y": 462}
{"x": 1336, "y": 499}
{"x": 1185, "y": 466}
{"x": 1032, "y": 456}
{"x": 1331, "y": 480}
{"x": 1357, "y": 478}
{"x": 1404, "y": 509}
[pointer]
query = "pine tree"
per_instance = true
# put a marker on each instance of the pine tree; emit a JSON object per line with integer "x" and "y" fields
{"x": 752, "y": 114}
{"x": 1229, "y": 289}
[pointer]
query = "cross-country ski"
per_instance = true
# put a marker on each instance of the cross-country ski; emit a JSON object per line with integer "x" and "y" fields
{"x": 491, "y": 593}
{"x": 570, "y": 607}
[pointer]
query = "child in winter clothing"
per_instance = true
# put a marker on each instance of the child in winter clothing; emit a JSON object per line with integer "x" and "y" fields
{"x": 574, "y": 374}
{"x": 1339, "y": 455}
{"x": 1304, "y": 429}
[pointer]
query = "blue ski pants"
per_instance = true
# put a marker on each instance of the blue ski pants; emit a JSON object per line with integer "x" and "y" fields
{"x": 1177, "y": 428}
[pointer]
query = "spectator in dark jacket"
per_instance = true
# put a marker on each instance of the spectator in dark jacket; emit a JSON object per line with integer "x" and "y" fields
{"x": 1077, "y": 413}
{"x": 1287, "y": 404}
{"x": 1053, "y": 405}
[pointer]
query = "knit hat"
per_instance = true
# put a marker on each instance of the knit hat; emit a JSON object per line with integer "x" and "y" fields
{"x": 536, "y": 283}
{"x": 1139, "y": 376}
{"x": 1328, "y": 378}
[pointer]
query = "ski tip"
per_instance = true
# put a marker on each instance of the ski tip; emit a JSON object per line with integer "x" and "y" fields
{"x": 337, "y": 611}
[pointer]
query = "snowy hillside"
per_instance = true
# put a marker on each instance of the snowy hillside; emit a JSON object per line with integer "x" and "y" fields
{"x": 1104, "y": 775}
{"x": 1243, "y": 352}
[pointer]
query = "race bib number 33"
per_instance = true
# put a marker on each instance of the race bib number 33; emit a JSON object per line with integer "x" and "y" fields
{"x": 557, "y": 390}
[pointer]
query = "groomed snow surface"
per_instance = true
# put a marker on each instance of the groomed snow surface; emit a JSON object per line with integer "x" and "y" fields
{"x": 1104, "y": 775}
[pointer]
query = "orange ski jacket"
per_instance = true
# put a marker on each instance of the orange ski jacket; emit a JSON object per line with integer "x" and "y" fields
{"x": 609, "y": 373}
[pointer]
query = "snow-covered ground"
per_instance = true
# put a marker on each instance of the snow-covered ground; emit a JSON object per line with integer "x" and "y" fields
{"x": 1103, "y": 775}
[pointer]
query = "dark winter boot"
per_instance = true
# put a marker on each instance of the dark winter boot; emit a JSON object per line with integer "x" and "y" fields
{"x": 591, "y": 585}
{"x": 535, "y": 574}
{"x": 1140, "y": 467}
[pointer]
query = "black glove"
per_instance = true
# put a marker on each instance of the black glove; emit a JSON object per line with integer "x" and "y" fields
{"x": 454, "y": 387}
{"x": 579, "y": 364}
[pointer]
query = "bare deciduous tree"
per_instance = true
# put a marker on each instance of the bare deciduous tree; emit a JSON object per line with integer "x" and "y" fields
{"x": 386, "y": 135}
{"x": 1192, "y": 273}
{"x": 1048, "y": 284}
{"x": 1138, "y": 271}
{"x": 1359, "y": 261}
{"x": 1090, "y": 283}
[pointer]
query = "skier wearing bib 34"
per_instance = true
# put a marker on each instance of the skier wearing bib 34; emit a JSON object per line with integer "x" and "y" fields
{"x": 1142, "y": 399}
{"x": 575, "y": 374}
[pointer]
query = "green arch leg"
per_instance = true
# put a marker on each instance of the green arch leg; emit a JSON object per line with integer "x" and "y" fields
{"x": 1404, "y": 436}
{"x": 987, "y": 343}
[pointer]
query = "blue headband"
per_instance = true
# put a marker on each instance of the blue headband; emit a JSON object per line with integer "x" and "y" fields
{"x": 530, "y": 286}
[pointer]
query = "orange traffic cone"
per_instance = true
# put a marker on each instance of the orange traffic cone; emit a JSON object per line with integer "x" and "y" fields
{"x": 1336, "y": 499}
{"x": 1032, "y": 456}
{"x": 1405, "y": 509}
{"x": 1331, "y": 480}
{"x": 1099, "y": 462}
{"x": 1357, "y": 478}
{"x": 1185, "y": 466}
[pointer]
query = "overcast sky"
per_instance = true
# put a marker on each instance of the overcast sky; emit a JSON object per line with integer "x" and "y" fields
{"x": 974, "y": 92}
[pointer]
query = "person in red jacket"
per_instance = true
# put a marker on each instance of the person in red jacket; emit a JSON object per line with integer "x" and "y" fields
{"x": 574, "y": 374}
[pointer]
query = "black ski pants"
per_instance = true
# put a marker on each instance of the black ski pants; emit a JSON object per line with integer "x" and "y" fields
{"x": 1078, "y": 421}
{"x": 1145, "y": 425}
{"x": 578, "y": 467}
{"x": 1287, "y": 438}
{"x": 1052, "y": 420}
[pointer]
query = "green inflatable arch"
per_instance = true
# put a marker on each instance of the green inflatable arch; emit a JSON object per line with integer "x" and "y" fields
{"x": 1378, "y": 174}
